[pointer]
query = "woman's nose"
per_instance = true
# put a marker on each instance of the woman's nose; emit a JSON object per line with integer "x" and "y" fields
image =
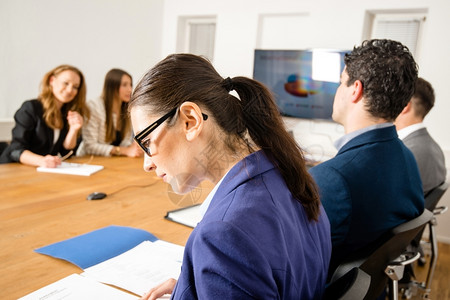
{"x": 70, "y": 89}
{"x": 148, "y": 164}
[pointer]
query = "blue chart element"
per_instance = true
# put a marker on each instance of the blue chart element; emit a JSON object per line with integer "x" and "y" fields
{"x": 97, "y": 246}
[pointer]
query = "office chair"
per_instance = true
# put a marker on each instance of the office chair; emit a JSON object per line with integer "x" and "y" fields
{"x": 3, "y": 146}
{"x": 424, "y": 288}
{"x": 352, "y": 285}
{"x": 384, "y": 260}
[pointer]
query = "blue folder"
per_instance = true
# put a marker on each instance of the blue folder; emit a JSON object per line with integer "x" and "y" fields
{"x": 97, "y": 246}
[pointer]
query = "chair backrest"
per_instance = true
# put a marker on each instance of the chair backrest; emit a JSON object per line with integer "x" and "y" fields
{"x": 374, "y": 259}
{"x": 433, "y": 196}
{"x": 3, "y": 146}
{"x": 431, "y": 200}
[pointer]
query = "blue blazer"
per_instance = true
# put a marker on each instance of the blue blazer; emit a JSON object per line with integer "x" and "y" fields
{"x": 255, "y": 241}
{"x": 372, "y": 185}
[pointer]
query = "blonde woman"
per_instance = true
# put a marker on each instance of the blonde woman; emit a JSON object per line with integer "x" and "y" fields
{"x": 49, "y": 127}
{"x": 108, "y": 131}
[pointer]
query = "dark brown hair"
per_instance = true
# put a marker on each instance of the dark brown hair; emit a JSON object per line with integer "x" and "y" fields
{"x": 387, "y": 71}
{"x": 186, "y": 77}
{"x": 423, "y": 99}
{"x": 111, "y": 88}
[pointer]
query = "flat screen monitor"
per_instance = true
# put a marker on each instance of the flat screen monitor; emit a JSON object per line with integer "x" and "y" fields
{"x": 303, "y": 82}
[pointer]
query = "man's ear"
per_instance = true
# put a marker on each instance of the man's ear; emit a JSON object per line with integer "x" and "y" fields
{"x": 357, "y": 92}
{"x": 407, "y": 108}
{"x": 192, "y": 119}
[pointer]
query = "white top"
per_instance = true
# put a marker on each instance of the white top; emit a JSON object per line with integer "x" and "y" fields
{"x": 56, "y": 133}
{"x": 207, "y": 201}
{"x": 94, "y": 132}
{"x": 403, "y": 133}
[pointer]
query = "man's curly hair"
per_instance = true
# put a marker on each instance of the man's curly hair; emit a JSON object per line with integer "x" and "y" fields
{"x": 388, "y": 73}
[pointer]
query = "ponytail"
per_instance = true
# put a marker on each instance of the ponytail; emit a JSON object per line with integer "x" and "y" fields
{"x": 251, "y": 118}
{"x": 267, "y": 130}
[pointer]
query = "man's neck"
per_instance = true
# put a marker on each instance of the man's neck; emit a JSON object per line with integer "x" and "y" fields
{"x": 356, "y": 123}
{"x": 406, "y": 122}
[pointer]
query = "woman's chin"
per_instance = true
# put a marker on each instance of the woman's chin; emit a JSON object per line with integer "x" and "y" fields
{"x": 182, "y": 185}
{"x": 181, "y": 190}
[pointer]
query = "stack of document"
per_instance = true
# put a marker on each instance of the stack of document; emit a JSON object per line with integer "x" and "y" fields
{"x": 75, "y": 287}
{"x": 141, "y": 268}
{"x": 129, "y": 258}
{"x": 72, "y": 169}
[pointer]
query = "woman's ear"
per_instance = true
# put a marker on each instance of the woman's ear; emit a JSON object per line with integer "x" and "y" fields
{"x": 51, "y": 80}
{"x": 192, "y": 119}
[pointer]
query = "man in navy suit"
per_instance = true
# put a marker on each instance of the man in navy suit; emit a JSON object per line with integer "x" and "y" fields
{"x": 373, "y": 183}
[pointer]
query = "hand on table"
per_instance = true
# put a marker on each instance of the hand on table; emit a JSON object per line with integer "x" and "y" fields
{"x": 160, "y": 290}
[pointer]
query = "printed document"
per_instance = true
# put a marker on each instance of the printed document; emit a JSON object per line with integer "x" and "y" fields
{"x": 141, "y": 268}
{"x": 76, "y": 287}
{"x": 72, "y": 169}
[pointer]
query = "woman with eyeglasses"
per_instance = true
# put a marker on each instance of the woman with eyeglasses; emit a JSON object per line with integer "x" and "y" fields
{"x": 108, "y": 131}
{"x": 264, "y": 233}
{"x": 48, "y": 127}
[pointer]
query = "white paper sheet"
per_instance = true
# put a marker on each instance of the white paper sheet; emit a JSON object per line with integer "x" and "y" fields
{"x": 72, "y": 169}
{"x": 141, "y": 268}
{"x": 76, "y": 287}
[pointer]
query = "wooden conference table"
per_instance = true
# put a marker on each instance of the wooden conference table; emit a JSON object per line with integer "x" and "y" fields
{"x": 38, "y": 209}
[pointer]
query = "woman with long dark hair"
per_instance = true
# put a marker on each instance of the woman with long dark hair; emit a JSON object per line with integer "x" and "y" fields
{"x": 264, "y": 234}
{"x": 108, "y": 131}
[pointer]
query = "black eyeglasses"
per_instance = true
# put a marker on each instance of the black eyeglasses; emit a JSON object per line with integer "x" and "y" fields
{"x": 145, "y": 144}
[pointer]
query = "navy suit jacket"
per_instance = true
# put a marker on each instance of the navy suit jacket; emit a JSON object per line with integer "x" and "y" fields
{"x": 255, "y": 241}
{"x": 370, "y": 186}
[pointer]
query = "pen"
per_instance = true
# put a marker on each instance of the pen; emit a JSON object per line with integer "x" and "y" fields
{"x": 67, "y": 155}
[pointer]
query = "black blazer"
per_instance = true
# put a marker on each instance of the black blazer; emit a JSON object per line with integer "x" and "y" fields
{"x": 32, "y": 133}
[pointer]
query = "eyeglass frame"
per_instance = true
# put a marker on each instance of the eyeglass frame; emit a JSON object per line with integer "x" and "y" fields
{"x": 150, "y": 128}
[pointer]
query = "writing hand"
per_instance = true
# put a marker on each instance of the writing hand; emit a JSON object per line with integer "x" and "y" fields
{"x": 50, "y": 161}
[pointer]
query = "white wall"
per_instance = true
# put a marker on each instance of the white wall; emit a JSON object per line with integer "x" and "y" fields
{"x": 95, "y": 36}
{"x": 328, "y": 24}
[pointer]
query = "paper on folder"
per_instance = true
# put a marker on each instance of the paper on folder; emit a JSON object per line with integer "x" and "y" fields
{"x": 72, "y": 169}
{"x": 141, "y": 268}
{"x": 75, "y": 287}
{"x": 130, "y": 258}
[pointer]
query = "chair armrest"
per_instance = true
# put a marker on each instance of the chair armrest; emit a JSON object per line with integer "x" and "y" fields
{"x": 352, "y": 285}
{"x": 396, "y": 268}
{"x": 440, "y": 210}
